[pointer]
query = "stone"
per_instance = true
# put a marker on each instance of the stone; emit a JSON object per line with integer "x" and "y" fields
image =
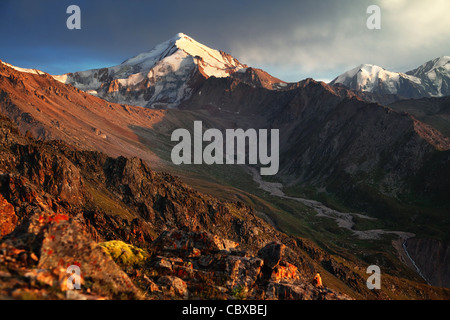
{"x": 242, "y": 271}
{"x": 285, "y": 271}
{"x": 194, "y": 253}
{"x": 163, "y": 265}
{"x": 151, "y": 286}
{"x": 287, "y": 291}
{"x": 65, "y": 244}
{"x": 8, "y": 218}
{"x": 272, "y": 254}
{"x": 191, "y": 244}
{"x": 224, "y": 244}
{"x": 183, "y": 271}
{"x": 173, "y": 286}
{"x": 205, "y": 260}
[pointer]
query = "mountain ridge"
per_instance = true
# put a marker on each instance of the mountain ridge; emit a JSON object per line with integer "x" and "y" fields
{"x": 89, "y": 201}
{"x": 334, "y": 140}
{"x": 431, "y": 79}
{"x": 166, "y": 76}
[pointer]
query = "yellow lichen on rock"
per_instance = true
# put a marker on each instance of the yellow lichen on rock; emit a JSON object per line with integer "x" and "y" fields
{"x": 124, "y": 253}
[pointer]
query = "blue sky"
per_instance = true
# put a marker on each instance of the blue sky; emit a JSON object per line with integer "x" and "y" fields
{"x": 291, "y": 40}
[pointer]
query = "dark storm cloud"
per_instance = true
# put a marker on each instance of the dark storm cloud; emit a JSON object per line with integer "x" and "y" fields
{"x": 290, "y": 39}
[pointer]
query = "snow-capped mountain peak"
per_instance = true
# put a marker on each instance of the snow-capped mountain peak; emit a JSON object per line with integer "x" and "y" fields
{"x": 435, "y": 74}
{"x": 160, "y": 77}
{"x": 364, "y": 73}
{"x": 213, "y": 62}
{"x": 370, "y": 78}
{"x": 429, "y": 80}
{"x": 441, "y": 64}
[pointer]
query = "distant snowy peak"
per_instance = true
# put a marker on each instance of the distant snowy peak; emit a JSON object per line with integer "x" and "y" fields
{"x": 438, "y": 65}
{"x": 370, "y": 78}
{"x": 430, "y": 79}
{"x": 435, "y": 75}
{"x": 161, "y": 77}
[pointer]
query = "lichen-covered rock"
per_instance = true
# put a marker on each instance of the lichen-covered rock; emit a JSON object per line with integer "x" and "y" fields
{"x": 8, "y": 218}
{"x": 66, "y": 244}
{"x": 242, "y": 271}
{"x": 124, "y": 253}
{"x": 285, "y": 271}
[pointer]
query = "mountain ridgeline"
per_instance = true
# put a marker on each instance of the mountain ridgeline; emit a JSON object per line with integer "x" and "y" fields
{"x": 333, "y": 139}
{"x": 353, "y": 144}
{"x": 432, "y": 79}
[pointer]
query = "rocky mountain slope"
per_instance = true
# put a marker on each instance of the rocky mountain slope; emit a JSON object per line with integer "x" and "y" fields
{"x": 342, "y": 137}
{"x": 353, "y": 155}
{"x": 34, "y": 103}
{"x": 432, "y": 79}
{"x": 139, "y": 234}
{"x": 432, "y": 111}
{"x": 50, "y": 110}
{"x": 429, "y": 256}
{"x": 370, "y": 158}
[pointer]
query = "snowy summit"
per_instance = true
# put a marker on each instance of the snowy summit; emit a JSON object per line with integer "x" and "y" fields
{"x": 430, "y": 79}
{"x": 160, "y": 77}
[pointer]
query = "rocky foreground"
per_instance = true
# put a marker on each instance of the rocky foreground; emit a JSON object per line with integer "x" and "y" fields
{"x": 134, "y": 233}
{"x": 139, "y": 234}
{"x": 181, "y": 265}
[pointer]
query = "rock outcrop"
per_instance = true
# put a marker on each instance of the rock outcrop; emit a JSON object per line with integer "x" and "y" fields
{"x": 63, "y": 207}
{"x": 8, "y": 218}
{"x": 186, "y": 245}
{"x": 188, "y": 263}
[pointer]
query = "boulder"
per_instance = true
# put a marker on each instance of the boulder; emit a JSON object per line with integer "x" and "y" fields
{"x": 191, "y": 244}
{"x": 151, "y": 286}
{"x": 243, "y": 272}
{"x": 162, "y": 265}
{"x": 8, "y": 218}
{"x": 272, "y": 254}
{"x": 173, "y": 286}
{"x": 285, "y": 271}
{"x": 287, "y": 291}
{"x": 65, "y": 244}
